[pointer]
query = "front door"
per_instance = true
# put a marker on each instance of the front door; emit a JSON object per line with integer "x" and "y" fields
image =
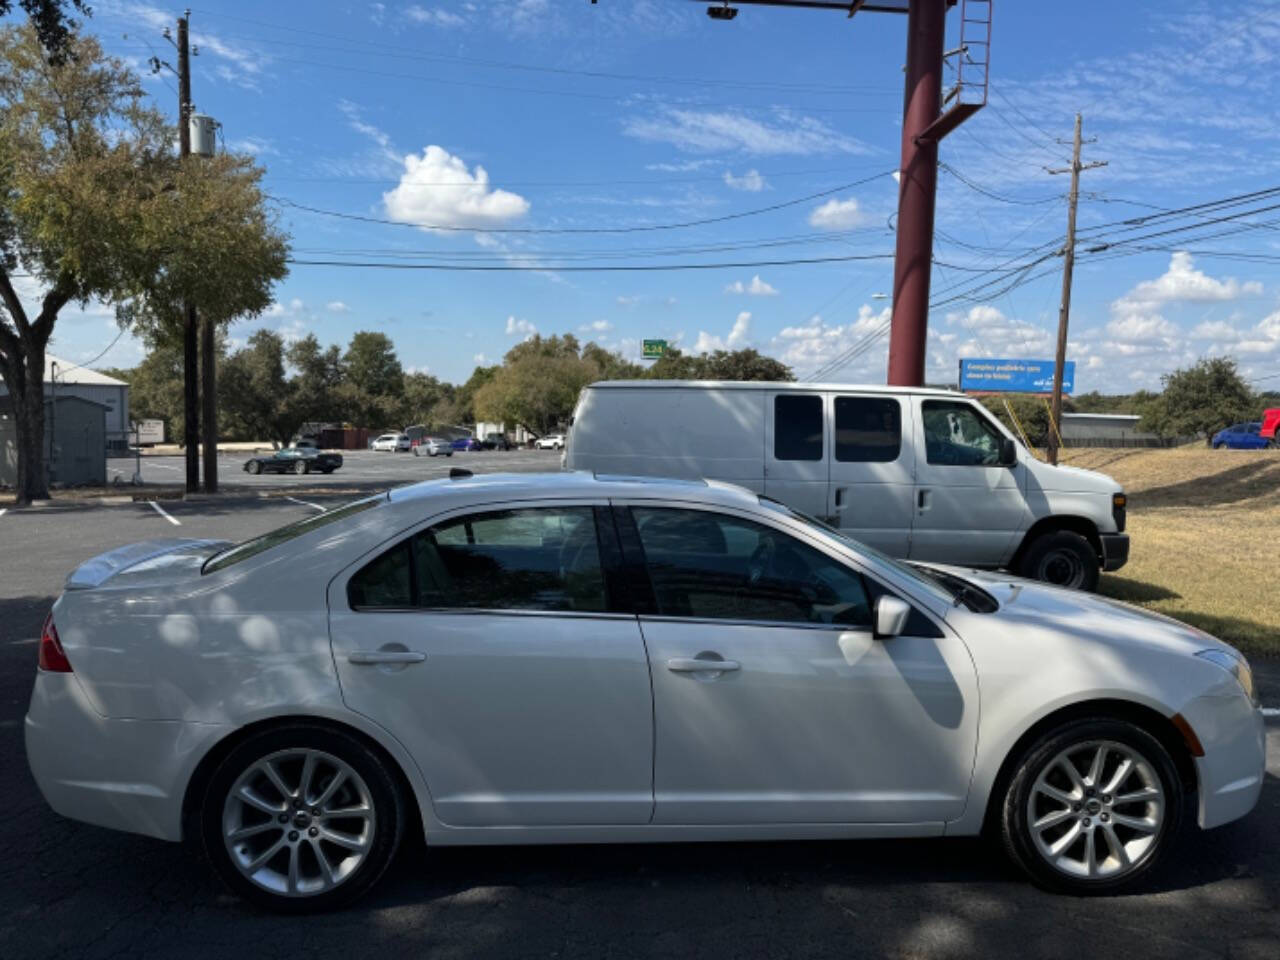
{"x": 969, "y": 510}
{"x": 772, "y": 701}
{"x": 796, "y": 455}
{"x": 872, "y": 470}
{"x": 486, "y": 645}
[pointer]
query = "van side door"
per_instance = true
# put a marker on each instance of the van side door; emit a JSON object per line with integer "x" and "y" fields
{"x": 797, "y": 450}
{"x": 968, "y": 509}
{"x": 872, "y": 470}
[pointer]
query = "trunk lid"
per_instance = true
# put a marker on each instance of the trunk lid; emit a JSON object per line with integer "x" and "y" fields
{"x": 151, "y": 561}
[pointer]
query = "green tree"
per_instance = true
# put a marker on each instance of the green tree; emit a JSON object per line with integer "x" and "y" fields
{"x": 155, "y": 387}
{"x": 374, "y": 383}
{"x": 1031, "y": 412}
{"x": 746, "y": 364}
{"x": 253, "y": 393}
{"x": 421, "y": 396}
{"x": 315, "y": 390}
{"x": 1200, "y": 400}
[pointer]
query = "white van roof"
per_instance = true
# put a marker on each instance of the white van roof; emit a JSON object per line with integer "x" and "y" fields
{"x": 770, "y": 385}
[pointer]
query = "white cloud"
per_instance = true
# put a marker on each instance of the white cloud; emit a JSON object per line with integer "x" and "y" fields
{"x": 751, "y": 181}
{"x": 837, "y": 214}
{"x": 479, "y": 358}
{"x": 337, "y": 306}
{"x": 254, "y": 146}
{"x": 598, "y": 326}
{"x": 738, "y": 336}
{"x": 1215, "y": 330}
{"x": 710, "y": 131}
{"x": 437, "y": 190}
{"x": 685, "y": 166}
{"x": 756, "y": 288}
{"x": 1183, "y": 283}
{"x": 808, "y": 346}
{"x": 434, "y": 16}
{"x": 520, "y": 327}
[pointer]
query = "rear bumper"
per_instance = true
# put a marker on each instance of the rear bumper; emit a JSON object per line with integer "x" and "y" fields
{"x": 1115, "y": 550}
{"x": 123, "y": 774}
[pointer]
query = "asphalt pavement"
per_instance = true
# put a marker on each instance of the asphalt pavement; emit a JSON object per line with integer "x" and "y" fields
{"x": 71, "y": 890}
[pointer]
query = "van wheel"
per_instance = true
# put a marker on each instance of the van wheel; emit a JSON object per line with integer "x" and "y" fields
{"x": 1064, "y": 559}
{"x": 1092, "y": 806}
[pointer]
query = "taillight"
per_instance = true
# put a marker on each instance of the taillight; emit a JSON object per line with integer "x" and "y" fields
{"x": 52, "y": 657}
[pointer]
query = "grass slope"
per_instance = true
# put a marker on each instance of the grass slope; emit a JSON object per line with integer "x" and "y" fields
{"x": 1205, "y": 528}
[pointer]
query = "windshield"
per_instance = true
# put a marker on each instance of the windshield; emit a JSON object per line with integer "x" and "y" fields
{"x": 919, "y": 577}
{"x": 251, "y": 548}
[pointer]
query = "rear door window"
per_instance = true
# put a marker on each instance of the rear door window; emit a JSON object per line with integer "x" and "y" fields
{"x": 797, "y": 427}
{"x": 543, "y": 559}
{"x": 868, "y": 429}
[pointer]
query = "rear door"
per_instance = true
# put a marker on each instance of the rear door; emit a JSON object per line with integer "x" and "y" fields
{"x": 487, "y": 644}
{"x": 969, "y": 510}
{"x": 797, "y": 450}
{"x": 872, "y": 470}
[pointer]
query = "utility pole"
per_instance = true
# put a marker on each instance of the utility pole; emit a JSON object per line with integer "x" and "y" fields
{"x": 1068, "y": 266}
{"x": 191, "y": 325}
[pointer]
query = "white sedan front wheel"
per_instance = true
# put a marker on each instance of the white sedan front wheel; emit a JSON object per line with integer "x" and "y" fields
{"x": 1092, "y": 806}
{"x": 301, "y": 818}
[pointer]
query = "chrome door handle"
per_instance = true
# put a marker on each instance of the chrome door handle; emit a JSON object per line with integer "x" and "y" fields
{"x": 385, "y": 656}
{"x": 694, "y": 665}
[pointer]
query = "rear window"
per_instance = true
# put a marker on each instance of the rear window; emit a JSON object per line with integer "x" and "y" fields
{"x": 251, "y": 548}
{"x": 797, "y": 427}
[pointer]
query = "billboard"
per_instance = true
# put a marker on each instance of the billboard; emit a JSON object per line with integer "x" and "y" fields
{"x": 653, "y": 349}
{"x": 1013, "y": 376}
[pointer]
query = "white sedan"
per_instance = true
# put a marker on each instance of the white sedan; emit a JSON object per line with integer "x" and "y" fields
{"x": 392, "y": 443}
{"x": 569, "y": 658}
{"x": 553, "y": 442}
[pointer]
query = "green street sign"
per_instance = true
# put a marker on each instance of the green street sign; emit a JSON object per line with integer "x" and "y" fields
{"x": 653, "y": 349}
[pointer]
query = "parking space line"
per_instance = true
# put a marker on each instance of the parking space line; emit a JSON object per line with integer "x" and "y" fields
{"x": 160, "y": 510}
{"x": 3, "y": 511}
{"x": 161, "y": 466}
{"x": 307, "y": 503}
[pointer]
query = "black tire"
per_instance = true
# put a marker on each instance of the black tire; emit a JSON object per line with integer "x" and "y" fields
{"x": 301, "y": 468}
{"x": 1017, "y": 835}
{"x": 449, "y": 453}
{"x": 388, "y": 817}
{"x": 1062, "y": 558}
{"x": 254, "y": 467}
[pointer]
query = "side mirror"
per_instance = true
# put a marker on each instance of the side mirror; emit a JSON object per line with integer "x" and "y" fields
{"x": 1008, "y": 452}
{"x": 891, "y": 616}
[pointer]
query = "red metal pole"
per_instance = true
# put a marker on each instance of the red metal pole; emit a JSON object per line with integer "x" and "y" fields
{"x": 926, "y": 29}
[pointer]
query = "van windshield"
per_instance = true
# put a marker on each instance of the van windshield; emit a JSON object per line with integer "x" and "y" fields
{"x": 948, "y": 589}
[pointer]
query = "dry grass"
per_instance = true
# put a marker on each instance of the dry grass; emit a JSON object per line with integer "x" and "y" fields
{"x": 1205, "y": 528}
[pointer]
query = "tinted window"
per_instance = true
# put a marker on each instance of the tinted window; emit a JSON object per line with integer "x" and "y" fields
{"x": 276, "y": 537}
{"x": 955, "y": 434}
{"x": 868, "y": 429}
{"x": 797, "y": 428}
{"x": 711, "y": 566}
{"x": 538, "y": 559}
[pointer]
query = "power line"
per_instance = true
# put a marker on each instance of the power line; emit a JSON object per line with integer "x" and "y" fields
{"x": 581, "y": 268}
{"x": 453, "y": 228}
{"x": 978, "y": 188}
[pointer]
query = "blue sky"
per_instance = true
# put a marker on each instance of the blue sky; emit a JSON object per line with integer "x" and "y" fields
{"x": 557, "y": 115}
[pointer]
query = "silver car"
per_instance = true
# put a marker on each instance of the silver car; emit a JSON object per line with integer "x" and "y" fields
{"x": 432, "y": 447}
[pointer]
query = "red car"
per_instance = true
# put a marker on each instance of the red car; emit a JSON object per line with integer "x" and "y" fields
{"x": 1271, "y": 426}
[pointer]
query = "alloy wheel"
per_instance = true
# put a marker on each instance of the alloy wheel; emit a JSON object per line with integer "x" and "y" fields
{"x": 1096, "y": 810}
{"x": 298, "y": 822}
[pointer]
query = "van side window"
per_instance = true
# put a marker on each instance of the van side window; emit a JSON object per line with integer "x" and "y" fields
{"x": 868, "y": 429}
{"x": 956, "y": 435}
{"x": 797, "y": 427}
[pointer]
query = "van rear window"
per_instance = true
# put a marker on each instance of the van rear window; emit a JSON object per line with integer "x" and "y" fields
{"x": 868, "y": 429}
{"x": 797, "y": 427}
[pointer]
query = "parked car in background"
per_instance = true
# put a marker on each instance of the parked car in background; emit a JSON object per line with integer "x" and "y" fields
{"x": 1241, "y": 436}
{"x": 919, "y": 473}
{"x": 392, "y": 442}
{"x": 554, "y": 441}
{"x": 496, "y": 441}
{"x": 562, "y": 658}
{"x": 467, "y": 443}
{"x": 1271, "y": 426}
{"x": 432, "y": 447}
{"x": 298, "y": 460}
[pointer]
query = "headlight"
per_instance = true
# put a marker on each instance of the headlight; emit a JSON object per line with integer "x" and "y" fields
{"x": 1238, "y": 667}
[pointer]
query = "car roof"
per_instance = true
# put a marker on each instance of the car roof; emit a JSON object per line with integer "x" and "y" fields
{"x": 784, "y": 386}
{"x": 580, "y": 484}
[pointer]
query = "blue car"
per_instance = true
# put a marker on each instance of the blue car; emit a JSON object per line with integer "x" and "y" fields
{"x": 466, "y": 443}
{"x": 1240, "y": 436}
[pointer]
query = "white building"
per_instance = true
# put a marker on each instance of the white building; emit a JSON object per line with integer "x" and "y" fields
{"x": 62, "y": 378}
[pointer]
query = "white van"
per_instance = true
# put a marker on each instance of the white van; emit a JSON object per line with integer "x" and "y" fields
{"x": 916, "y": 473}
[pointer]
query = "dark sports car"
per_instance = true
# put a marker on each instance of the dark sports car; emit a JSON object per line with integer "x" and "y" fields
{"x": 295, "y": 460}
